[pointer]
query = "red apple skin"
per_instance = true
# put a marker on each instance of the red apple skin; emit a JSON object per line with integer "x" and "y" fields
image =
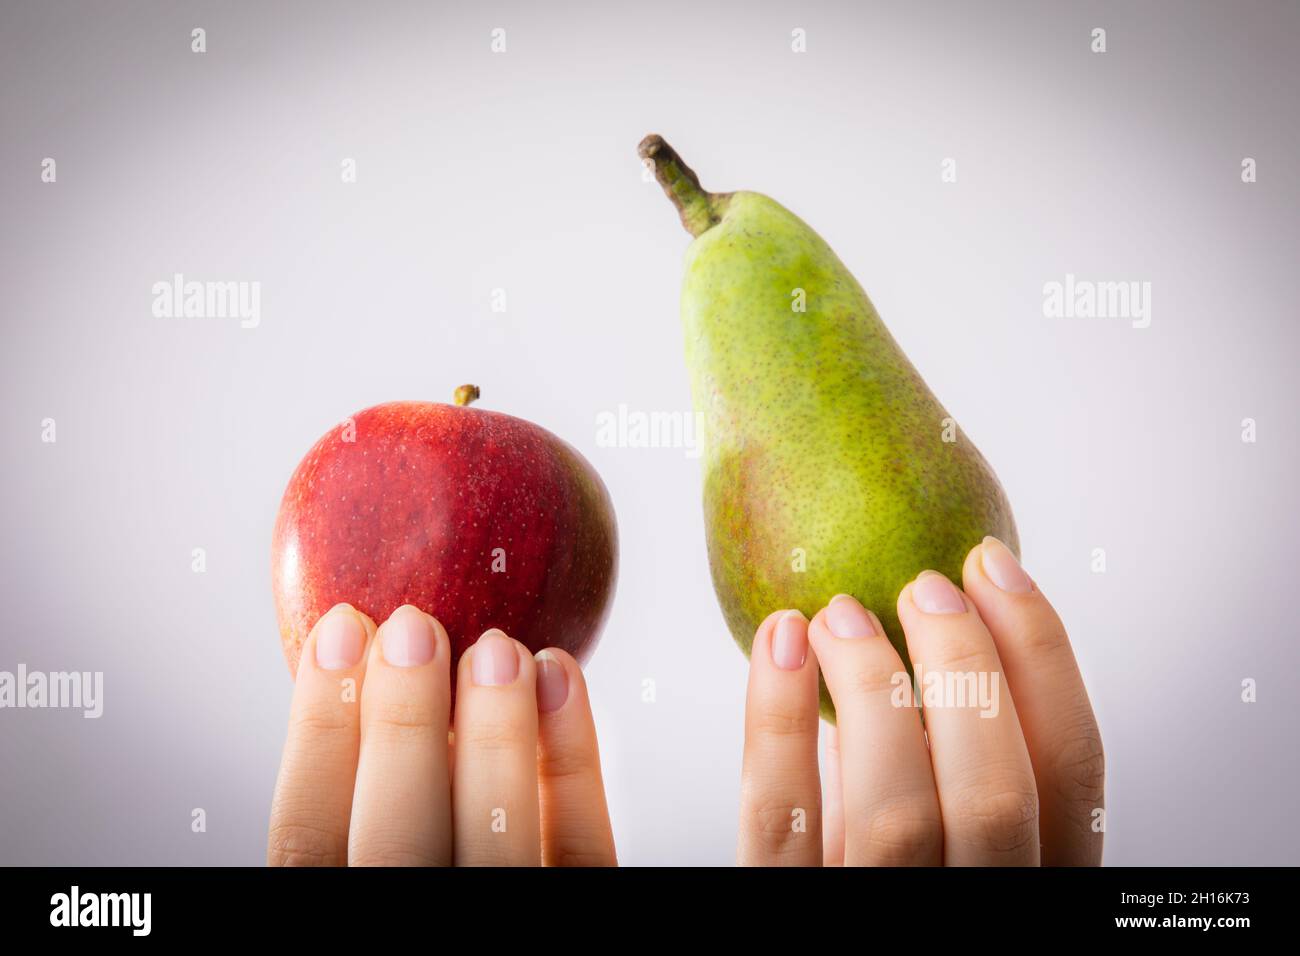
{"x": 413, "y": 511}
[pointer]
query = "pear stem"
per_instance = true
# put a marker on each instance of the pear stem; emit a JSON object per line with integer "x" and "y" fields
{"x": 465, "y": 394}
{"x": 700, "y": 210}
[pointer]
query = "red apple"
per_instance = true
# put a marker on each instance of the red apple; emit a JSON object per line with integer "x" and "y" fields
{"x": 478, "y": 518}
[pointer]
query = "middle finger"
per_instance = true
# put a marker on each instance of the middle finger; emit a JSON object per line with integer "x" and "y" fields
{"x": 494, "y": 788}
{"x": 981, "y": 765}
{"x": 401, "y": 810}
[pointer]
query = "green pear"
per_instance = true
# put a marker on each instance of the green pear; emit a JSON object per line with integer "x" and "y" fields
{"x": 829, "y": 466}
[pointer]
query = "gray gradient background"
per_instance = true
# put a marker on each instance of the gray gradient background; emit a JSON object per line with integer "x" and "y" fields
{"x": 518, "y": 171}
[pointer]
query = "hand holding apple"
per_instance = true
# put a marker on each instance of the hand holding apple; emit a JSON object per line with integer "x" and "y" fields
{"x": 478, "y": 518}
{"x": 371, "y": 778}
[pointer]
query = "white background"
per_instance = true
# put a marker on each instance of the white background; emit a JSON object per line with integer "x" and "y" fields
{"x": 518, "y": 171}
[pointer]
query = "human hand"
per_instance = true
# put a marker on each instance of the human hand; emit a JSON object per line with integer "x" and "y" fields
{"x": 983, "y": 782}
{"x": 369, "y": 776}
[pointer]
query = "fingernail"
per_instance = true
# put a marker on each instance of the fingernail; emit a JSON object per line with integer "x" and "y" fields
{"x": 846, "y": 617}
{"x": 1002, "y": 567}
{"x": 340, "y": 638}
{"x": 552, "y": 682}
{"x": 494, "y": 661}
{"x": 790, "y": 641}
{"x": 935, "y": 594}
{"x": 407, "y": 638}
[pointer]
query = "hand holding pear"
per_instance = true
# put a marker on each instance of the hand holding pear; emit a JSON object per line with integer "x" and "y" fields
{"x": 829, "y": 465}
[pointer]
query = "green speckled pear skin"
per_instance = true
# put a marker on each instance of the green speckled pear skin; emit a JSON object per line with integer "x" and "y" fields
{"x": 826, "y": 469}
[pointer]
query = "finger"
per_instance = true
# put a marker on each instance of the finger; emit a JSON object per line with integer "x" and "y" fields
{"x": 1055, "y": 715}
{"x": 780, "y": 793}
{"x": 494, "y": 788}
{"x": 313, "y": 794}
{"x": 891, "y": 811}
{"x": 832, "y": 799}
{"x": 401, "y": 806}
{"x": 574, "y": 817}
{"x": 981, "y": 765}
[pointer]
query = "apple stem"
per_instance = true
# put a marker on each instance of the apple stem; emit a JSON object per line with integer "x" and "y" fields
{"x": 465, "y": 394}
{"x": 700, "y": 210}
